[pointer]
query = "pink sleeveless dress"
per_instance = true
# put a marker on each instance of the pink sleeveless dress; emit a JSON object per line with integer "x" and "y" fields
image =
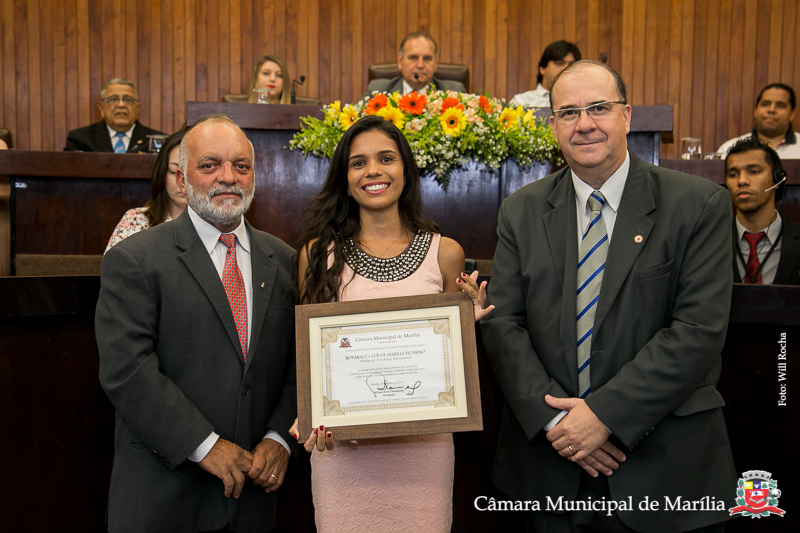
{"x": 394, "y": 484}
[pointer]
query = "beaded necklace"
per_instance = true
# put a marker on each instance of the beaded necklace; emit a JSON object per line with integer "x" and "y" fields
{"x": 392, "y": 268}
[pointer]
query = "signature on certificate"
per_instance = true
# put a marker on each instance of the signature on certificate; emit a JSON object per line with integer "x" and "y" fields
{"x": 377, "y": 383}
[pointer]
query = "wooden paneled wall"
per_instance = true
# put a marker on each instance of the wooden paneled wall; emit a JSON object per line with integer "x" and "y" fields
{"x": 708, "y": 58}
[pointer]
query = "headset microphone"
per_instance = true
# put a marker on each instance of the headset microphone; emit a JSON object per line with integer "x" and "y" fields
{"x": 783, "y": 174}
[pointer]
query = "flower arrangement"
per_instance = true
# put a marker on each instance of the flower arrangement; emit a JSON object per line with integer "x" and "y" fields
{"x": 444, "y": 128}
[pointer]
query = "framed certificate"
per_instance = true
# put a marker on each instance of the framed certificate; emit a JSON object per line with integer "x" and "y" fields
{"x": 389, "y": 367}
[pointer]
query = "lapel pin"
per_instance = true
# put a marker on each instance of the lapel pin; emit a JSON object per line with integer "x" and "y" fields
{"x": 638, "y": 239}
{"x": 262, "y": 285}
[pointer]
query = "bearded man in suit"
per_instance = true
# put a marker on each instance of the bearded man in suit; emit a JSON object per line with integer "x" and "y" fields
{"x": 612, "y": 286}
{"x": 416, "y": 60}
{"x": 196, "y": 342}
{"x": 119, "y": 131}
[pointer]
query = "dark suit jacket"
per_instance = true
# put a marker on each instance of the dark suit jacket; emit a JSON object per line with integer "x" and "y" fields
{"x": 95, "y": 138}
{"x": 171, "y": 363}
{"x": 396, "y": 84}
{"x": 659, "y": 330}
{"x": 788, "y": 272}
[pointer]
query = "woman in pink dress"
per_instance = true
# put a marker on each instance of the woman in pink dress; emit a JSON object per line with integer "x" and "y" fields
{"x": 364, "y": 236}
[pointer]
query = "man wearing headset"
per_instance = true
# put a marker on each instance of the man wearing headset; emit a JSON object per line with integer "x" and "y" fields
{"x": 766, "y": 245}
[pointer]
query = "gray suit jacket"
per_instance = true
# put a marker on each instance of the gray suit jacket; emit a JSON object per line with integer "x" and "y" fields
{"x": 171, "y": 363}
{"x": 396, "y": 84}
{"x": 659, "y": 329}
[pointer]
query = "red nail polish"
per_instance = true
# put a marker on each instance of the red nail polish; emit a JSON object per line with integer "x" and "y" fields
{"x": 315, "y": 431}
{"x": 330, "y": 434}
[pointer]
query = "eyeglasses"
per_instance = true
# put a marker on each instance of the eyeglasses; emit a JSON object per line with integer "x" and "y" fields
{"x": 114, "y": 100}
{"x": 595, "y": 111}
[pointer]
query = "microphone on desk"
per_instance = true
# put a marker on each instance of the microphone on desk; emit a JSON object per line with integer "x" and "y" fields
{"x": 302, "y": 79}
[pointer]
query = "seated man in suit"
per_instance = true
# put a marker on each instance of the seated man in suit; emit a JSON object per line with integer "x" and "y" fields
{"x": 119, "y": 131}
{"x": 556, "y": 57}
{"x": 416, "y": 60}
{"x": 196, "y": 342}
{"x": 766, "y": 245}
{"x": 612, "y": 292}
{"x": 773, "y": 117}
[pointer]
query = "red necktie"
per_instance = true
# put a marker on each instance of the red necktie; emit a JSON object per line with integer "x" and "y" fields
{"x": 752, "y": 260}
{"x": 234, "y": 288}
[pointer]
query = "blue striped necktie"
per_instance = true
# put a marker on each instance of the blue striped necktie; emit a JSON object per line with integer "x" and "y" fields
{"x": 119, "y": 147}
{"x": 592, "y": 263}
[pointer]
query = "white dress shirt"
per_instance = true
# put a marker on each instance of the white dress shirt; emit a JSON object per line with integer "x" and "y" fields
{"x": 209, "y": 235}
{"x": 612, "y": 189}
{"x": 539, "y": 97}
{"x": 789, "y": 148}
{"x": 408, "y": 89}
{"x": 770, "y": 268}
{"x": 126, "y": 138}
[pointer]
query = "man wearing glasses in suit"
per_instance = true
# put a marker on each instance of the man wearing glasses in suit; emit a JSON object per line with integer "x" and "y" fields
{"x": 119, "y": 131}
{"x": 612, "y": 288}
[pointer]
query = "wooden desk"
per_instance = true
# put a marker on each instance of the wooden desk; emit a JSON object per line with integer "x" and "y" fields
{"x": 59, "y": 425}
{"x": 69, "y": 203}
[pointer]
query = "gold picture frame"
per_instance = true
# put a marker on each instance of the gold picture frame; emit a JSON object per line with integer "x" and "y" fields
{"x": 363, "y": 390}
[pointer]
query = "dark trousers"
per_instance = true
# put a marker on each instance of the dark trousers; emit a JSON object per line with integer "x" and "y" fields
{"x": 589, "y": 521}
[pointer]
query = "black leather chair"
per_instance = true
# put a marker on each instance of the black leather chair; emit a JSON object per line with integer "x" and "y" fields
{"x": 6, "y": 136}
{"x": 444, "y": 71}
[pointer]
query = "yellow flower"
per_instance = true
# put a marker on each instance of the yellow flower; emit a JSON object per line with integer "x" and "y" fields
{"x": 348, "y": 117}
{"x": 529, "y": 120}
{"x": 332, "y": 112}
{"x": 453, "y": 121}
{"x": 508, "y": 118}
{"x": 393, "y": 115}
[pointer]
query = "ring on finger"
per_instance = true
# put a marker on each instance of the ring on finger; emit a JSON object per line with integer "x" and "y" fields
{"x": 273, "y": 475}
{"x": 571, "y": 449}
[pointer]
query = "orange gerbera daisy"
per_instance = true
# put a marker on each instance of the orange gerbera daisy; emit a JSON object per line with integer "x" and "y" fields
{"x": 376, "y": 103}
{"x": 451, "y": 102}
{"x": 413, "y": 103}
{"x": 486, "y": 106}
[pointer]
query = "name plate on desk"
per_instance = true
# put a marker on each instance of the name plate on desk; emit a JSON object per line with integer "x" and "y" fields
{"x": 388, "y": 367}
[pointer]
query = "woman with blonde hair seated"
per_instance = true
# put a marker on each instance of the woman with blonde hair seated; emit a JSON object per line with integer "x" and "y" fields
{"x": 271, "y": 78}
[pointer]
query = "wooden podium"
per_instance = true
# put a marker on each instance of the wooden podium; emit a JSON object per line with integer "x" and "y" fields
{"x": 70, "y": 202}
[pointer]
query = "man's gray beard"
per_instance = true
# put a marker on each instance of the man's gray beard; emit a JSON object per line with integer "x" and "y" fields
{"x": 220, "y": 214}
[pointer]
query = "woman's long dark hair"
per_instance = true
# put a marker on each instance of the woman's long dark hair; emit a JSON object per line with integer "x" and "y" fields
{"x": 158, "y": 204}
{"x": 332, "y": 217}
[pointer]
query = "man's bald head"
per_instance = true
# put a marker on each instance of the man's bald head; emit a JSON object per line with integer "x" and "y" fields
{"x": 203, "y": 123}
